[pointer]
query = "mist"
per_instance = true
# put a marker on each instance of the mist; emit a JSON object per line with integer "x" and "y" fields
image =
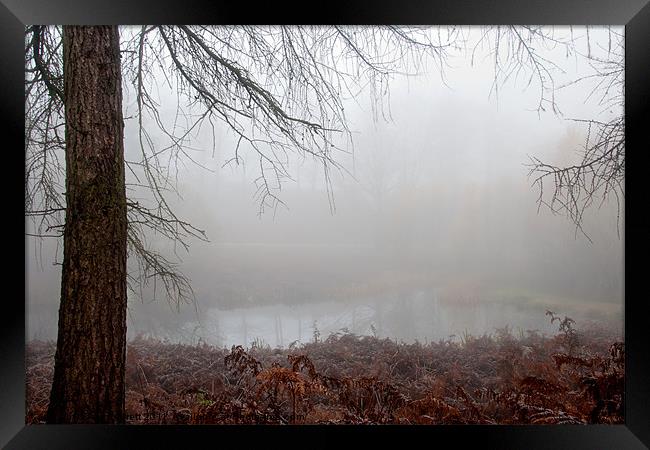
{"x": 431, "y": 229}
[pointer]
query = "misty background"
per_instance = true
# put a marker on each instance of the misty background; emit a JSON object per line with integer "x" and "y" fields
{"x": 433, "y": 231}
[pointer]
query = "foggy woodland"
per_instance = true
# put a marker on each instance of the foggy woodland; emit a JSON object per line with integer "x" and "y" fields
{"x": 431, "y": 225}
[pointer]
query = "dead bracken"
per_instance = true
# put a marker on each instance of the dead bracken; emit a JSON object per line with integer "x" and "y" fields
{"x": 574, "y": 377}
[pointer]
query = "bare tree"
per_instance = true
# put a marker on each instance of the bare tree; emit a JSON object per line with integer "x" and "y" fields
{"x": 599, "y": 172}
{"x": 279, "y": 90}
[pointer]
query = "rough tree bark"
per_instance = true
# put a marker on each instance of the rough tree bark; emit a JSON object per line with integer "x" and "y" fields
{"x": 89, "y": 369}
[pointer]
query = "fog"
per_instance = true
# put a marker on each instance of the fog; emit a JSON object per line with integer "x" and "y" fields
{"x": 433, "y": 231}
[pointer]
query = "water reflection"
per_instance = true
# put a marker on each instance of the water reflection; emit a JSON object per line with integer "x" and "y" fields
{"x": 414, "y": 316}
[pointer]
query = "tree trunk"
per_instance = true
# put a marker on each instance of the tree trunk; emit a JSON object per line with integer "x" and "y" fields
{"x": 90, "y": 355}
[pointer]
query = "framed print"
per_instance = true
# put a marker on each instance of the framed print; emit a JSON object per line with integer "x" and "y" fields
{"x": 399, "y": 222}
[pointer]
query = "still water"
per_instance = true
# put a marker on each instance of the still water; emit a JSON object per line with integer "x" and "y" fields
{"x": 420, "y": 315}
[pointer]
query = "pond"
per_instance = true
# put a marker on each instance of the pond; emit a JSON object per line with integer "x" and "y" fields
{"x": 411, "y": 316}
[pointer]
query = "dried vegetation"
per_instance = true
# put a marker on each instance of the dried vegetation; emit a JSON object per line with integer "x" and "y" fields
{"x": 574, "y": 377}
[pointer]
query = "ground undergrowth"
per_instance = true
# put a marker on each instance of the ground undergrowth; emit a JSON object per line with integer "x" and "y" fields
{"x": 573, "y": 377}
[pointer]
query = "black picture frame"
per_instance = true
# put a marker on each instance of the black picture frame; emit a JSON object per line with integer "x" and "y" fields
{"x": 634, "y": 14}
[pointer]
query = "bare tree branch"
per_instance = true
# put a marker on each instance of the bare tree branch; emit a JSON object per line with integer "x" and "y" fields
{"x": 280, "y": 91}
